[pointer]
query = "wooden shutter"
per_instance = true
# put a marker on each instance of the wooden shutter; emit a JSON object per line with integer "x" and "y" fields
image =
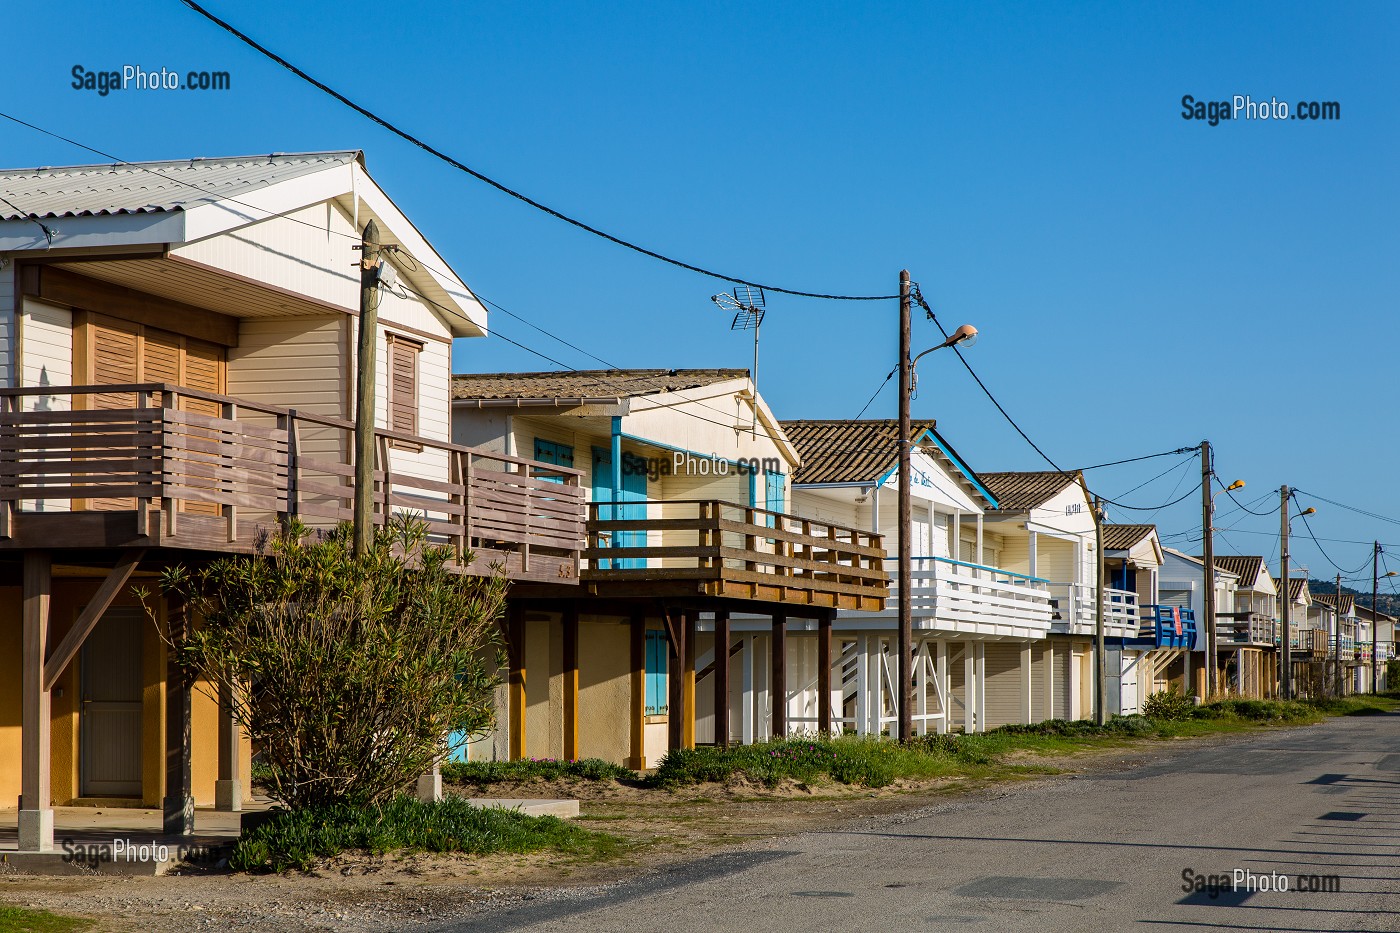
{"x": 115, "y": 360}
{"x": 203, "y": 370}
{"x": 403, "y": 384}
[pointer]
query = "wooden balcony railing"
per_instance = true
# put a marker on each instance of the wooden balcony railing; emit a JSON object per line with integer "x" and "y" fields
{"x": 977, "y": 599}
{"x": 719, "y": 548}
{"x": 194, "y": 469}
{"x": 1076, "y": 609}
{"x": 1246, "y": 628}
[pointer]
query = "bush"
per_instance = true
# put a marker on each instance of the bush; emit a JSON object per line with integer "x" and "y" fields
{"x": 862, "y": 762}
{"x": 298, "y": 839}
{"x": 482, "y": 773}
{"x": 348, "y": 672}
{"x": 1170, "y": 705}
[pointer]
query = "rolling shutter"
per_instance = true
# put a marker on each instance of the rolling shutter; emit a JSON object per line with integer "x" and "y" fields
{"x": 403, "y": 384}
{"x": 1003, "y": 666}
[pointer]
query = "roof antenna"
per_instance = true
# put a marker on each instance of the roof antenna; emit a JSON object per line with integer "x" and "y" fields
{"x": 748, "y": 305}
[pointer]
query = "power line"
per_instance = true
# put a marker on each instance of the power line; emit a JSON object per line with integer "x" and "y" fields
{"x": 1166, "y": 453}
{"x": 460, "y": 166}
{"x": 1351, "y": 508}
{"x": 1241, "y": 505}
{"x": 1174, "y": 467}
{"x": 1327, "y": 557}
{"x": 32, "y": 218}
{"x": 877, "y": 392}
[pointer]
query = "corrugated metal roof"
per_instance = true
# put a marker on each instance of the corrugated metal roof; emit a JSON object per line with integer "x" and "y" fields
{"x": 1123, "y": 537}
{"x": 1246, "y": 568}
{"x": 151, "y": 187}
{"x": 587, "y": 383}
{"x": 847, "y": 451}
{"x": 1017, "y": 492}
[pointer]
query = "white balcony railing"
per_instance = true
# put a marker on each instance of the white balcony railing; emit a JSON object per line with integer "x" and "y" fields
{"x": 976, "y": 599}
{"x": 1076, "y": 610}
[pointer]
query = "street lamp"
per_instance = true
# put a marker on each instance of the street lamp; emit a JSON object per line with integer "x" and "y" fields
{"x": 964, "y": 336}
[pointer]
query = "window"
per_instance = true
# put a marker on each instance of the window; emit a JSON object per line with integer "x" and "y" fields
{"x": 658, "y": 654}
{"x": 403, "y": 384}
{"x": 555, "y": 453}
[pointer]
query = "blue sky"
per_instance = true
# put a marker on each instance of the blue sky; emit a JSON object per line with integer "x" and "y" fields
{"x": 1141, "y": 281}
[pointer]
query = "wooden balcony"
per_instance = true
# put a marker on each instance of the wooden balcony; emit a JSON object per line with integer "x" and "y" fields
{"x": 1076, "y": 610}
{"x": 1313, "y": 645}
{"x": 177, "y": 468}
{"x": 720, "y": 549}
{"x": 1246, "y": 629}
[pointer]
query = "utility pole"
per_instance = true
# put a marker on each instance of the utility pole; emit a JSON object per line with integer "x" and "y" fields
{"x": 1101, "y": 693}
{"x": 1337, "y": 660}
{"x": 364, "y": 389}
{"x": 905, "y": 580}
{"x": 1286, "y": 640}
{"x": 1208, "y": 558}
{"x": 1375, "y": 621}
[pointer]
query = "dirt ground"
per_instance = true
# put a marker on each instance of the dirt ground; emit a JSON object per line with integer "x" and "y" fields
{"x": 361, "y": 893}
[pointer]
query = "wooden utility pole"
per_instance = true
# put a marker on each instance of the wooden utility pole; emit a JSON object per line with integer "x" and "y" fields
{"x": 1208, "y": 558}
{"x": 1337, "y": 658}
{"x": 906, "y": 524}
{"x": 1375, "y": 622}
{"x": 1286, "y": 639}
{"x": 364, "y": 389}
{"x": 1101, "y": 691}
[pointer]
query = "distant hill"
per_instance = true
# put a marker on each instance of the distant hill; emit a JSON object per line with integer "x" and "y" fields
{"x": 1389, "y": 603}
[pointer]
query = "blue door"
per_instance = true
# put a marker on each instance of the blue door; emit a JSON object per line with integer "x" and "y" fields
{"x": 627, "y": 503}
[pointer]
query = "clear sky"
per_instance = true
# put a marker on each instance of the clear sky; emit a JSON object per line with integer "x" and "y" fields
{"x": 1141, "y": 281}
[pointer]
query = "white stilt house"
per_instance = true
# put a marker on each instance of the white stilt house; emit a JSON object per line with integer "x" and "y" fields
{"x": 977, "y": 626}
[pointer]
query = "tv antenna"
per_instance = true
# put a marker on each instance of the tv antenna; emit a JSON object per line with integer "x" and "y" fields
{"x": 748, "y": 306}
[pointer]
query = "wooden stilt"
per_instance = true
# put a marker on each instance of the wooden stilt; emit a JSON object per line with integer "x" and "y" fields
{"x": 515, "y": 651}
{"x": 179, "y": 794}
{"x": 779, "y": 688}
{"x": 638, "y": 713}
{"x": 688, "y": 681}
{"x": 675, "y": 680}
{"x": 36, "y": 810}
{"x": 824, "y": 674}
{"x": 722, "y": 678}
{"x": 228, "y": 789}
{"x": 571, "y": 752}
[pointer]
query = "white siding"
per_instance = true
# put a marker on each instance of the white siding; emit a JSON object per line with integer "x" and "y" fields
{"x": 46, "y": 353}
{"x": 7, "y": 323}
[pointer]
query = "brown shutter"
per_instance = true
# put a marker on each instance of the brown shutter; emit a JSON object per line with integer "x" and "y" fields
{"x": 203, "y": 370}
{"x": 403, "y": 385}
{"x": 115, "y": 360}
{"x": 160, "y": 357}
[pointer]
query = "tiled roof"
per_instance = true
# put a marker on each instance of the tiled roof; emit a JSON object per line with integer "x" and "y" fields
{"x": 847, "y": 451}
{"x": 588, "y": 383}
{"x": 1330, "y": 600}
{"x": 1123, "y": 537}
{"x": 1246, "y": 568}
{"x": 151, "y": 187}
{"x": 1017, "y": 492}
{"x": 1297, "y": 586}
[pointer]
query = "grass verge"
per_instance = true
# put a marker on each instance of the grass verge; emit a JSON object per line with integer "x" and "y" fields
{"x": 483, "y": 773}
{"x": 297, "y": 840}
{"x": 23, "y": 920}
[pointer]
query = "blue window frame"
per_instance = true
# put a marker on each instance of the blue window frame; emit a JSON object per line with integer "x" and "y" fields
{"x": 658, "y": 654}
{"x": 557, "y": 454}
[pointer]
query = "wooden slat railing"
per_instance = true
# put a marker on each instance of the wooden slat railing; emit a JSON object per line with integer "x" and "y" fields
{"x": 256, "y": 463}
{"x": 706, "y": 539}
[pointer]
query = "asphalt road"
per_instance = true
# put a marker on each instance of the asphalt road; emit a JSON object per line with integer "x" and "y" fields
{"x": 1103, "y": 851}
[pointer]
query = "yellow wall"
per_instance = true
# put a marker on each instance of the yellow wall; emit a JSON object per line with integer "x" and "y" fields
{"x": 605, "y": 690}
{"x": 69, "y": 596}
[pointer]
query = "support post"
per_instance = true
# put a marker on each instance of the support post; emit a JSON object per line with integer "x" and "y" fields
{"x": 571, "y": 752}
{"x": 228, "y": 789}
{"x": 778, "y": 690}
{"x": 675, "y": 679}
{"x": 722, "y": 678}
{"x": 515, "y": 651}
{"x": 179, "y": 795}
{"x": 906, "y": 524}
{"x": 1337, "y": 651}
{"x": 1209, "y": 687}
{"x": 1027, "y": 706}
{"x": 364, "y": 389}
{"x": 638, "y": 627}
{"x": 824, "y": 674}
{"x": 1286, "y": 639}
{"x": 688, "y": 680}
{"x": 1375, "y": 618}
{"x": 969, "y": 687}
{"x": 36, "y": 810}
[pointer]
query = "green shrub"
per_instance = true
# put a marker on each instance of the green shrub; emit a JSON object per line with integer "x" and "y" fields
{"x": 1170, "y": 705}
{"x": 482, "y": 773}
{"x": 298, "y": 839}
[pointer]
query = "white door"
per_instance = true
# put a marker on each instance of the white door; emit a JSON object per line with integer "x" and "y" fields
{"x": 110, "y": 719}
{"x": 1132, "y": 661}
